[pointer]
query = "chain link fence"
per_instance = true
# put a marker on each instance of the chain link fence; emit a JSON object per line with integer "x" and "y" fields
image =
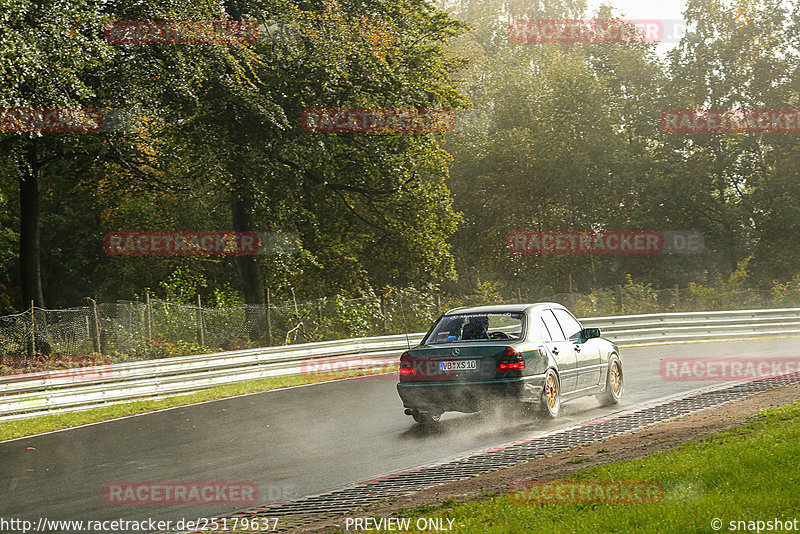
{"x": 41, "y": 339}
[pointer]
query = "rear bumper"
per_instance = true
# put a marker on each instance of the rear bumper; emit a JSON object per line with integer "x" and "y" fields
{"x": 469, "y": 396}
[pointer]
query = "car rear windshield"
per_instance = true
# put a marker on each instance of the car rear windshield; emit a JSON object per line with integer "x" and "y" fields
{"x": 477, "y": 327}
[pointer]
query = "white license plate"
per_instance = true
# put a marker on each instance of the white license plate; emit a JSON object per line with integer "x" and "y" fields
{"x": 459, "y": 365}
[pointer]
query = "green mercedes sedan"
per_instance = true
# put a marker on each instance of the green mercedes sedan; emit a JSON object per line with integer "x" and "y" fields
{"x": 537, "y": 355}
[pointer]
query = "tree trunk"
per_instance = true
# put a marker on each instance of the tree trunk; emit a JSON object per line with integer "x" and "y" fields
{"x": 252, "y": 282}
{"x": 29, "y": 236}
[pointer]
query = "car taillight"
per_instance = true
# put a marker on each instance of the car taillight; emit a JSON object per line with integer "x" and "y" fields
{"x": 512, "y": 360}
{"x": 406, "y": 368}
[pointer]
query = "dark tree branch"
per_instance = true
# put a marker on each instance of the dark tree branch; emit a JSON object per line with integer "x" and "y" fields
{"x": 148, "y": 177}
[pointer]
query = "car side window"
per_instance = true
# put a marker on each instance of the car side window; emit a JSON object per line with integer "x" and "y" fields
{"x": 540, "y": 330}
{"x": 570, "y": 326}
{"x": 552, "y": 326}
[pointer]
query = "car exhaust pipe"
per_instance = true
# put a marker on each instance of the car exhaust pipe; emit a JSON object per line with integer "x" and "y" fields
{"x": 409, "y": 411}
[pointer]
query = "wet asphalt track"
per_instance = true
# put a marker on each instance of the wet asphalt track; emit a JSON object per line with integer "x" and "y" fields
{"x": 292, "y": 442}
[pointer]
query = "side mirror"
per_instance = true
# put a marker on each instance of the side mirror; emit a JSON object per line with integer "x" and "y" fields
{"x": 589, "y": 333}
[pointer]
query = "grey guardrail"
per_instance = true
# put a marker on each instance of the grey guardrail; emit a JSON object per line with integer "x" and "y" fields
{"x": 29, "y": 395}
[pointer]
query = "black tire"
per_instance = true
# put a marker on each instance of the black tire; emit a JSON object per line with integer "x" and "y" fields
{"x": 550, "y": 403}
{"x": 426, "y": 418}
{"x": 614, "y": 383}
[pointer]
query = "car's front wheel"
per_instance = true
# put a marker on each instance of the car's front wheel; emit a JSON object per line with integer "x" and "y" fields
{"x": 550, "y": 403}
{"x": 426, "y": 418}
{"x": 614, "y": 383}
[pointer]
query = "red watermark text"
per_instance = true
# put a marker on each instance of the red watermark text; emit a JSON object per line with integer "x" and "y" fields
{"x": 178, "y": 493}
{"x": 606, "y": 242}
{"x": 588, "y": 242}
{"x": 50, "y": 120}
{"x": 724, "y": 369}
{"x": 586, "y": 492}
{"x": 367, "y": 366}
{"x": 55, "y": 367}
{"x": 180, "y": 243}
{"x": 537, "y": 31}
{"x": 749, "y": 121}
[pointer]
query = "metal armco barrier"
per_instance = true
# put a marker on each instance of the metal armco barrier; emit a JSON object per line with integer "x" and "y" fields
{"x": 30, "y": 395}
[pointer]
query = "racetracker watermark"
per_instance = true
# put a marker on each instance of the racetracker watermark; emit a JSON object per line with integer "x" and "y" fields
{"x": 121, "y": 32}
{"x": 181, "y": 243}
{"x": 50, "y": 120}
{"x": 65, "y": 120}
{"x": 588, "y": 492}
{"x": 725, "y": 369}
{"x": 720, "y": 121}
{"x": 56, "y": 368}
{"x": 606, "y": 242}
{"x": 180, "y": 493}
{"x": 539, "y": 31}
{"x": 342, "y": 120}
{"x": 326, "y": 366}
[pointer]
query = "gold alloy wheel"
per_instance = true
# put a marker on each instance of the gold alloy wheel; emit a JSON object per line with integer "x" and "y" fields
{"x": 551, "y": 390}
{"x": 616, "y": 378}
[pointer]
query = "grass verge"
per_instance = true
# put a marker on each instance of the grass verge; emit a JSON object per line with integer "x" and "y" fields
{"x": 58, "y": 421}
{"x": 748, "y": 473}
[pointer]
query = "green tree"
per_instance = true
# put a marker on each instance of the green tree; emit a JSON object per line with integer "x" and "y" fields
{"x": 738, "y": 55}
{"x": 561, "y": 143}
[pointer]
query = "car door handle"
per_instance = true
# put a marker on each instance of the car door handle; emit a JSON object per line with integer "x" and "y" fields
{"x": 577, "y": 348}
{"x": 555, "y": 351}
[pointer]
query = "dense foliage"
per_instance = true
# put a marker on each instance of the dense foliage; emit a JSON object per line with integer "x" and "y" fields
{"x": 559, "y": 137}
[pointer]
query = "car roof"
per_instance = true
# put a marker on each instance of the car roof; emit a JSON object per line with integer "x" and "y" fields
{"x": 497, "y": 308}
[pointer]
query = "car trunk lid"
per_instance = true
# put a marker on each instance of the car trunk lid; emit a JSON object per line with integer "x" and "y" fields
{"x": 452, "y": 362}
